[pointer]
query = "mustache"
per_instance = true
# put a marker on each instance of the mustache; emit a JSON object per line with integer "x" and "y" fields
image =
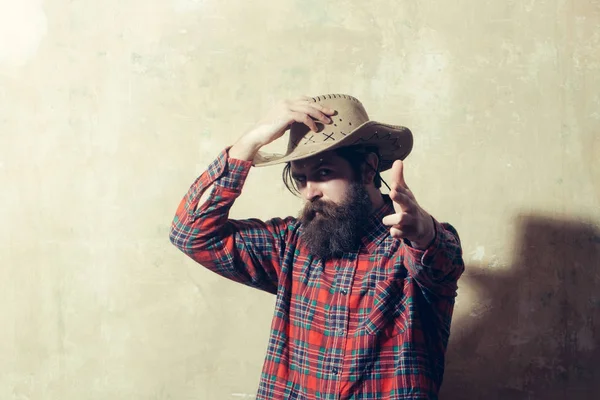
{"x": 323, "y": 207}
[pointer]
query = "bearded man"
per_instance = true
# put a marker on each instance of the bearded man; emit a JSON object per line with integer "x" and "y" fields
{"x": 365, "y": 281}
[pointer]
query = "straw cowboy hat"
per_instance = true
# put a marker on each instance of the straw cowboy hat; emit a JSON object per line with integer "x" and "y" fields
{"x": 350, "y": 126}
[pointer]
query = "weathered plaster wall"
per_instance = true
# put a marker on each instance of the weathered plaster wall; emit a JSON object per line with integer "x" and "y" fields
{"x": 110, "y": 109}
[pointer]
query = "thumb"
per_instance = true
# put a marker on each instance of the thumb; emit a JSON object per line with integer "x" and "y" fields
{"x": 398, "y": 174}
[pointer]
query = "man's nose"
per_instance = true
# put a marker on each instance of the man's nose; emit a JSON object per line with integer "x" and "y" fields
{"x": 312, "y": 192}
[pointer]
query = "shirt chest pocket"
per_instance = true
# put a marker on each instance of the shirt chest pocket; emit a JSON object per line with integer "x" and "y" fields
{"x": 388, "y": 315}
{"x": 307, "y": 311}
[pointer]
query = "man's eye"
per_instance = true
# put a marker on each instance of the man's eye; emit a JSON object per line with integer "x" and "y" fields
{"x": 324, "y": 172}
{"x": 299, "y": 179}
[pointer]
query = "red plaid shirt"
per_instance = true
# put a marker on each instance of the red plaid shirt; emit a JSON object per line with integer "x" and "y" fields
{"x": 373, "y": 324}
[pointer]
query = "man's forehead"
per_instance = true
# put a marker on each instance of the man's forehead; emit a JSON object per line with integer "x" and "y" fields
{"x": 326, "y": 158}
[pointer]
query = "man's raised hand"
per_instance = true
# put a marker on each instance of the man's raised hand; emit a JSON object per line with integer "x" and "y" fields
{"x": 277, "y": 121}
{"x": 409, "y": 221}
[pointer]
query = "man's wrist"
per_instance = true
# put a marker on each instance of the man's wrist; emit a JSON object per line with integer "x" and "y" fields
{"x": 427, "y": 239}
{"x": 244, "y": 150}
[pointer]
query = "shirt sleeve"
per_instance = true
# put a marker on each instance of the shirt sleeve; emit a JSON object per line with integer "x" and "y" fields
{"x": 438, "y": 267}
{"x": 245, "y": 251}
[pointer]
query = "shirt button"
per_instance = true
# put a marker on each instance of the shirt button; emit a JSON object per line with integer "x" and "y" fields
{"x": 344, "y": 291}
{"x": 341, "y": 332}
{"x": 335, "y": 370}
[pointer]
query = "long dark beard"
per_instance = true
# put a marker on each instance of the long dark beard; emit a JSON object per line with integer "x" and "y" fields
{"x": 330, "y": 230}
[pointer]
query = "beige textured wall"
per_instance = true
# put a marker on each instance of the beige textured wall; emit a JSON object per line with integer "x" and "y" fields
{"x": 110, "y": 109}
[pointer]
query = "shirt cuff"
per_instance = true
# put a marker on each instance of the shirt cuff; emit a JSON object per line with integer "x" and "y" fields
{"x": 229, "y": 173}
{"x": 426, "y": 257}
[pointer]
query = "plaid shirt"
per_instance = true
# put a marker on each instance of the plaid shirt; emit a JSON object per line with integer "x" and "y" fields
{"x": 373, "y": 324}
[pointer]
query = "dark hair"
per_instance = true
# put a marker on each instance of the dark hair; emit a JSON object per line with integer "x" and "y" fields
{"x": 356, "y": 157}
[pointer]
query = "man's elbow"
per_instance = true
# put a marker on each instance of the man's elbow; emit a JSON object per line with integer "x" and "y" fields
{"x": 178, "y": 238}
{"x": 191, "y": 242}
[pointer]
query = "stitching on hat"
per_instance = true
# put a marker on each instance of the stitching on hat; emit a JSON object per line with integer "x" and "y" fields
{"x": 350, "y": 98}
{"x": 337, "y": 96}
{"x": 383, "y": 136}
{"x": 328, "y": 136}
{"x": 375, "y": 135}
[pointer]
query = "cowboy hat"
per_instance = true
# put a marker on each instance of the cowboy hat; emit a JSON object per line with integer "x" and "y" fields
{"x": 351, "y": 126}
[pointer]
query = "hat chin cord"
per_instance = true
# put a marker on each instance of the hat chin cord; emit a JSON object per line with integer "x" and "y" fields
{"x": 380, "y": 178}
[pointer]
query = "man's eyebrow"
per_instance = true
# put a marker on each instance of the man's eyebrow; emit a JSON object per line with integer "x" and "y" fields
{"x": 321, "y": 163}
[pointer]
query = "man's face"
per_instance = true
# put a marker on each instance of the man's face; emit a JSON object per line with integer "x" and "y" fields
{"x": 326, "y": 177}
{"x": 337, "y": 204}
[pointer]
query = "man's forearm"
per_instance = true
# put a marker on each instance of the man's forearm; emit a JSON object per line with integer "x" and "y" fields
{"x": 244, "y": 149}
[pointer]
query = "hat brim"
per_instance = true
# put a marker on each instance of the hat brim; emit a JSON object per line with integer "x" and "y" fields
{"x": 393, "y": 142}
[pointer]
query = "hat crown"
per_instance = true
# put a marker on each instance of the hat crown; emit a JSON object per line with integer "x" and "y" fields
{"x": 349, "y": 114}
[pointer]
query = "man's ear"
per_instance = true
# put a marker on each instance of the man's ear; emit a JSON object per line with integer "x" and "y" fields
{"x": 370, "y": 168}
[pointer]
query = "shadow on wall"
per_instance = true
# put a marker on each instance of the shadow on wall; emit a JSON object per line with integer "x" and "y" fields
{"x": 538, "y": 336}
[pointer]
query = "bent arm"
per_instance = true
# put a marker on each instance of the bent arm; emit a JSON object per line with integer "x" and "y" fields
{"x": 245, "y": 251}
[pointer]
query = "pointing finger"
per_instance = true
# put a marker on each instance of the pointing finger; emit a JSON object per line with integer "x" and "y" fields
{"x": 398, "y": 174}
